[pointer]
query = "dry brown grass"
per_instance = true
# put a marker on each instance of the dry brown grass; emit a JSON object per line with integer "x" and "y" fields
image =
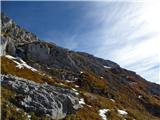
{"x": 9, "y": 67}
{"x": 89, "y": 80}
{"x": 126, "y": 97}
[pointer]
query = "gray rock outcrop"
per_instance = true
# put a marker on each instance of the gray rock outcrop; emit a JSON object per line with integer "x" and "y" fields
{"x": 54, "y": 56}
{"x": 7, "y": 46}
{"x": 18, "y": 34}
{"x": 42, "y": 99}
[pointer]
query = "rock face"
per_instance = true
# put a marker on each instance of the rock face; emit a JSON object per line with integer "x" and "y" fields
{"x": 7, "y": 46}
{"x": 12, "y": 30}
{"x": 57, "y": 57}
{"x": 3, "y": 46}
{"x": 42, "y": 99}
{"x": 12, "y": 35}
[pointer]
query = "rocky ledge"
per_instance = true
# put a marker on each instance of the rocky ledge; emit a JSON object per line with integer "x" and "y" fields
{"x": 42, "y": 99}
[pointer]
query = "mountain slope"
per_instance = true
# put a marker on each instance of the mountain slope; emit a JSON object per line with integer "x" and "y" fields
{"x": 99, "y": 85}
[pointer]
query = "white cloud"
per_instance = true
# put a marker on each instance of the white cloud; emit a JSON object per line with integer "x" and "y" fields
{"x": 125, "y": 32}
{"x": 129, "y": 34}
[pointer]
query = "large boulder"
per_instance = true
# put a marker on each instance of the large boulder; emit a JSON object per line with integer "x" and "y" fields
{"x": 43, "y": 99}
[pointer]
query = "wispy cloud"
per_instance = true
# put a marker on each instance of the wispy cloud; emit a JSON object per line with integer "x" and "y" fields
{"x": 127, "y": 33}
{"x": 132, "y": 39}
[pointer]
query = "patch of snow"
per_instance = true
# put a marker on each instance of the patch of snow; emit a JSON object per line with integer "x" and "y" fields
{"x": 69, "y": 81}
{"x": 29, "y": 116}
{"x": 101, "y": 77}
{"x": 74, "y": 89}
{"x": 107, "y": 67}
{"x": 81, "y": 101}
{"x": 81, "y": 72}
{"x": 76, "y": 93}
{"x": 140, "y": 96}
{"x": 102, "y": 113}
{"x": 62, "y": 84}
{"x": 22, "y": 64}
{"x": 49, "y": 77}
{"x": 43, "y": 74}
{"x": 122, "y": 112}
{"x": 76, "y": 78}
{"x": 89, "y": 105}
{"x": 76, "y": 86}
{"x": 25, "y": 113}
{"x": 10, "y": 57}
{"x": 112, "y": 100}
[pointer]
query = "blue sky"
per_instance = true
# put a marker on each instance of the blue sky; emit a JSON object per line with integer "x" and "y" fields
{"x": 125, "y": 32}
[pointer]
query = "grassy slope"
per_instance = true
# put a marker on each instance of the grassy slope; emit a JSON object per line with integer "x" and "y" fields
{"x": 125, "y": 98}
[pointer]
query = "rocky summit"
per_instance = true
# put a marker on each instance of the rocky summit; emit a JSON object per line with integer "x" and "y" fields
{"x": 43, "y": 81}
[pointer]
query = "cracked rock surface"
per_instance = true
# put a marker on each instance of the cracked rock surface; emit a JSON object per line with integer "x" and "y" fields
{"x": 42, "y": 99}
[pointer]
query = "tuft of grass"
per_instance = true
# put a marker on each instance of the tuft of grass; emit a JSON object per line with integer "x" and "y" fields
{"x": 84, "y": 113}
{"x": 90, "y": 82}
{"x": 9, "y": 110}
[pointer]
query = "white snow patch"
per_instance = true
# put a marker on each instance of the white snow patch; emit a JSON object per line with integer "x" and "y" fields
{"x": 29, "y": 116}
{"x": 76, "y": 93}
{"x": 74, "y": 89}
{"x": 112, "y": 100}
{"x": 43, "y": 74}
{"x": 102, "y": 113}
{"x": 17, "y": 109}
{"x": 81, "y": 101}
{"x": 25, "y": 113}
{"x": 22, "y": 64}
{"x": 10, "y": 57}
{"x": 101, "y": 77}
{"x": 89, "y": 105}
{"x": 76, "y": 86}
{"x": 140, "y": 96}
{"x": 69, "y": 81}
{"x": 50, "y": 77}
{"x": 107, "y": 67}
{"x": 81, "y": 72}
{"x": 122, "y": 112}
{"x": 62, "y": 84}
